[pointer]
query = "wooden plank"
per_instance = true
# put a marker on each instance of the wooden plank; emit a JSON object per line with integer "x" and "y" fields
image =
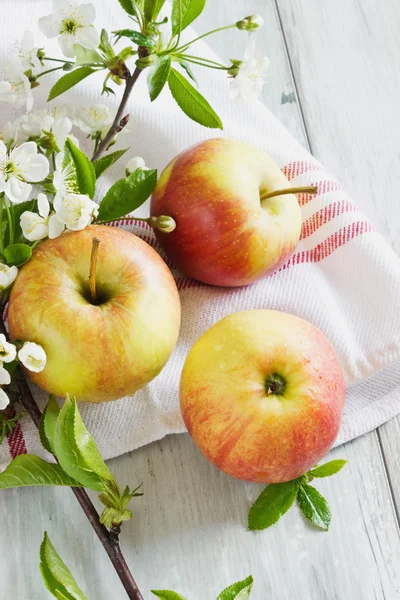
{"x": 189, "y": 532}
{"x": 389, "y": 436}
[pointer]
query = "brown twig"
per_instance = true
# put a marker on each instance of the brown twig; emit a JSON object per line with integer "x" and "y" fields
{"x": 110, "y": 540}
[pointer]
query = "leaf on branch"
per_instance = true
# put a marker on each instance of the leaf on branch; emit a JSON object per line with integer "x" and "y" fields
{"x": 158, "y": 76}
{"x": 47, "y": 426}
{"x": 191, "y": 9}
{"x": 18, "y": 209}
{"x": 128, "y": 6}
{"x": 152, "y": 9}
{"x": 167, "y": 595}
{"x": 27, "y": 470}
{"x": 193, "y": 104}
{"x": 105, "y": 45}
{"x": 185, "y": 65}
{"x": 135, "y": 37}
{"x": 85, "y": 56}
{"x": 107, "y": 161}
{"x": 17, "y": 254}
{"x": 112, "y": 516}
{"x": 68, "y": 81}
{"x": 329, "y": 468}
{"x": 127, "y": 194}
{"x": 85, "y": 173}
{"x": 68, "y": 453}
{"x": 240, "y": 590}
{"x": 271, "y": 504}
{"x": 314, "y": 506}
{"x": 57, "y": 577}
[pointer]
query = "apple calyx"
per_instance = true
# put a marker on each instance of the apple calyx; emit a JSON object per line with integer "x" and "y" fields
{"x": 93, "y": 264}
{"x": 275, "y": 384}
{"x": 311, "y": 189}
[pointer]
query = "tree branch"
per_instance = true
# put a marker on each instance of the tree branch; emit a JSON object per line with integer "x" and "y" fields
{"x": 110, "y": 540}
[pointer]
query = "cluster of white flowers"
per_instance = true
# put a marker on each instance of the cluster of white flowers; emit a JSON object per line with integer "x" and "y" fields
{"x": 249, "y": 75}
{"x": 31, "y": 355}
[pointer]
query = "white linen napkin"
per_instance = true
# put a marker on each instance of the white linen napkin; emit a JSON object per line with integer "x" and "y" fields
{"x": 343, "y": 277}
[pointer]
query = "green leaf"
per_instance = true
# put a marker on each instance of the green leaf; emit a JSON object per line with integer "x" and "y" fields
{"x": 57, "y": 577}
{"x": 85, "y": 173}
{"x": 191, "y": 9}
{"x": 240, "y": 590}
{"x": 17, "y": 210}
{"x": 167, "y": 595}
{"x": 17, "y": 254}
{"x": 272, "y": 503}
{"x": 27, "y": 470}
{"x": 105, "y": 45}
{"x": 87, "y": 446}
{"x": 112, "y": 516}
{"x": 107, "y": 161}
{"x": 67, "y": 451}
{"x": 135, "y": 37}
{"x": 84, "y": 56}
{"x": 68, "y": 81}
{"x": 188, "y": 70}
{"x": 152, "y": 9}
{"x": 47, "y": 426}
{"x": 193, "y": 104}
{"x": 314, "y": 506}
{"x": 127, "y": 194}
{"x": 158, "y": 75}
{"x": 128, "y": 6}
{"x": 329, "y": 468}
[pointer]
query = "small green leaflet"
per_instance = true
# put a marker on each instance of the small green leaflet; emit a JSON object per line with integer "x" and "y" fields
{"x": 240, "y": 590}
{"x": 68, "y": 81}
{"x": 68, "y": 453}
{"x": 167, "y": 595}
{"x": 85, "y": 173}
{"x": 314, "y": 506}
{"x": 27, "y": 470}
{"x": 128, "y": 6}
{"x": 84, "y": 56}
{"x": 271, "y": 504}
{"x": 127, "y": 194}
{"x": 105, "y": 45}
{"x": 107, "y": 161}
{"x": 193, "y": 104}
{"x": 18, "y": 209}
{"x": 152, "y": 9}
{"x": 185, "y": 65}
{"x": 47, "y": 425}
{"x": 158, "y": 76}
{"x": 57, "y": 577}
{"x": 17, "y": 254}
{"x": 329, "y": 468}
{"x": 191, "y": 9}
{"x": 135, "y": 37}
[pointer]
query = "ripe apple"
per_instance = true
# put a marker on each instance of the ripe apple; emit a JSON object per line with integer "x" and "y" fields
{"x": 225, "y": 234}
{"x": 262, "y": 394}
{"x": 107, "y": 348}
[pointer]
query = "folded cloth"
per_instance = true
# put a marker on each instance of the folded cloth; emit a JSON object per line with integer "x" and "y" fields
{"x": 343, "y": 276}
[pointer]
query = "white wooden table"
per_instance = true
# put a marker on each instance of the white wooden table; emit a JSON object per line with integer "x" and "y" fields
{"x": 334, "y": 82}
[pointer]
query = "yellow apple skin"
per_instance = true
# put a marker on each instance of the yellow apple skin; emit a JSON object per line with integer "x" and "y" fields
{"x": 239, "y": 427}
{"x": 96, "y": 352}
{"x": 224, "y": 234}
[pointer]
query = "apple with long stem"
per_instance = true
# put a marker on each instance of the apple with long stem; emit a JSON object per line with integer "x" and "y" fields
{"x": 237, "y": 219}
{"x": 105, "y": 308}
{"x": 262, "y": 395}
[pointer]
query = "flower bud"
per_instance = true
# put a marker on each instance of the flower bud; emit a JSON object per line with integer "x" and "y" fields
{"x": 250, "y": 23}
{"x": 134, "y": 163}
{"x": 163, "y": 223}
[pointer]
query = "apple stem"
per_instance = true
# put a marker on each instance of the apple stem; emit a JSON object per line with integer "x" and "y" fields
{"x": 311, "y": 189}
{"x": 93, "y": 264}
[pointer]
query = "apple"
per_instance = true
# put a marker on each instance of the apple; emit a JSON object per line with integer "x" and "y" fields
{"x": 102, "y": 349}
{"x": 226, "y": 235}
{"x": 262, "y": 394}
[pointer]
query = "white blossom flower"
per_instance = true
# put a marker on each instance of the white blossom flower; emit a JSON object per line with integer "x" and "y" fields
{"x": 28, "y": 53}
{"x": 19, "y": 168}
{"x": 72, "y": 22}
{"x": 94, "y": 120}
{"x": 12, "y": 133}
{"x": 63, "y": 180}
{"x": 39, "y": 226}
{"x": 5, "y": 378}
{"x": 15, "y": 87}
{"x": 8, "y": 352}
{"x": 4, "y": 400}
{"x": 7, "y": 276}
{"x": 33, "y": 357}
{"x": 137, "y": 162}
{"x": 42, "y": 122}
{"x": 249, "y": 75}
{"x": 76, "y": 211}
